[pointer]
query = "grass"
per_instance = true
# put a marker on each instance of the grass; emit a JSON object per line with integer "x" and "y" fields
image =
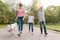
{"x": 52, "y": 27}
{"x": 3, "y": 25}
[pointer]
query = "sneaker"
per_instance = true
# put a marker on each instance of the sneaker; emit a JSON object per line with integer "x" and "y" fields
{"x": 21, "y": 32}
{"x": 46, "y": 34}
{"x": 32, "y": 33}
{"x": 28, "y": 31}
{"x": 41, "y": 33}
{"x": 18, "y": 35}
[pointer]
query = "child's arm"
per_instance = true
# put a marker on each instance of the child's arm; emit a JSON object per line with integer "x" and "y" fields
{"x": 39, "y": 18}
{"x": 24, "y": 13}
{"x": 33, "y": 18}
{"x": 16, "y": 18}
{"x": 27, "y": 19}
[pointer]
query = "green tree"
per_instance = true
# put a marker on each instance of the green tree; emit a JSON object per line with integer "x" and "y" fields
{"x": 52, "y": 13}
{"x": 6, "y": 15}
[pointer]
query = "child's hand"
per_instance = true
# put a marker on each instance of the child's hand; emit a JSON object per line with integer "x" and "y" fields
{"x": 27, "y": 23}
{"x": 23, "y": 19}
{"x": 16, "y": 18}
{"x": 39, "y": 19}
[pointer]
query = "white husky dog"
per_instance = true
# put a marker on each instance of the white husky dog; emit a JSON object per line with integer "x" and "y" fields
{"x": 11, "y": 28}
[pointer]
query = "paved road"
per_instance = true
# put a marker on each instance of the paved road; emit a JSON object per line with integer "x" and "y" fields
{"x": 4, "y": 35}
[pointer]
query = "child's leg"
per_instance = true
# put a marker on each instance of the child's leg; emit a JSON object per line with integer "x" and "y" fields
{"x": 41, "y": 27}
{"x": 44, "y": 25}
{"x": 19, "y": 28}
{"x": 19, "y": 25}
{"x": 22, "y": 25}
{"x": 29, "y": 26}
{"x": 32, "y": 26}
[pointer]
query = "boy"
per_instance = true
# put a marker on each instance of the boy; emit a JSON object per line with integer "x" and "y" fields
{"x": 41, "y": 17}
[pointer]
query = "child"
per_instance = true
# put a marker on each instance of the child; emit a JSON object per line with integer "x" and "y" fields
{"x": 20, "y": 16}
{"x": 31, "y": 21}
{"x": 41, "y": 17}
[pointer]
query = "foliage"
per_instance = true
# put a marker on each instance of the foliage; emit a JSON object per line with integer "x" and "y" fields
{"x": 6, "y": 16}
{"x": 53, "y": 14}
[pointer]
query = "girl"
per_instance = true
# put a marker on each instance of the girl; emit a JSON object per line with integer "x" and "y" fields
{"x": 31, "y": 21}
{"x": 20, "y": 15}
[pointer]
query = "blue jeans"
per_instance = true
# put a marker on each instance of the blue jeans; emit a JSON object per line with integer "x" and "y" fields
{"x": 20, "y": 23}
{"x": 31, "y": 25}
{"x": 42, "y": 23}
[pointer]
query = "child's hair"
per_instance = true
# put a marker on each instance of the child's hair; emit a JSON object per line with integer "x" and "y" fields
{"x": 31, "y": 13}
{"x": 20, "y": 5}
{"x": 41, "y": 8}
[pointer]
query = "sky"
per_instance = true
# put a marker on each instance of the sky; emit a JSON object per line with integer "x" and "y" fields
{"x": 44, "y": 3}
{"x": 26, "y": 2}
